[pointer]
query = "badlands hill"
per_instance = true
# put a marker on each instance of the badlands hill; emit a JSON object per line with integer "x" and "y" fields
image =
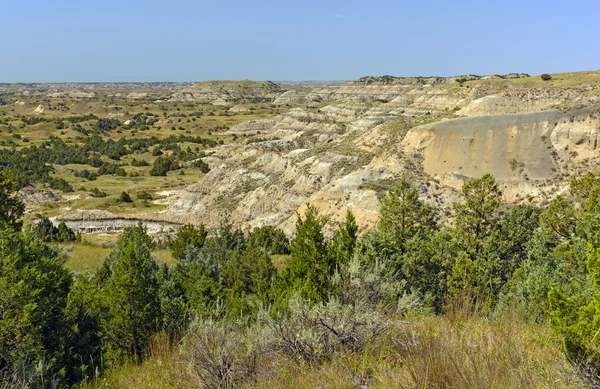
{"x": 533, "y": 135}
{"x": 341, "y": 147}
{"x": 224, "y": 92}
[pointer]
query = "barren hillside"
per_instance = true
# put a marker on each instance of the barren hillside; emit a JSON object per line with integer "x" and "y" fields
{"x": 532, "y": 135}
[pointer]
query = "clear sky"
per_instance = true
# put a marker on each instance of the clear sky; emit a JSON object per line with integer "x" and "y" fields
{"x": 185, "y": 40}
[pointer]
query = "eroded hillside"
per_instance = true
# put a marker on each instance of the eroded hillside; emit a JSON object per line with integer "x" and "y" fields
{"x": 279, "y": 147}
{"x": 532, "y": 135}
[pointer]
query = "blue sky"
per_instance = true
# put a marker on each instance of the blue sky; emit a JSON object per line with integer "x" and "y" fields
{"x": 182, "y": 40}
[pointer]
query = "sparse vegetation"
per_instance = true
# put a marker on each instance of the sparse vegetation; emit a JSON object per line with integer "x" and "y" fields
{"x": 447, "y": 289}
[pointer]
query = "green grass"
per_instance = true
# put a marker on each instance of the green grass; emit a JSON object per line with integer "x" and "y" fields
{"x": 171, "y": 114}
{"x": 88, "y": 255}
{"x": 423, "y": 352}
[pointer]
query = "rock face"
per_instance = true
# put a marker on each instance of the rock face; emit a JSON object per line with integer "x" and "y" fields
{"x": 346, "y": 154}
{"x": 530, "y": 134}
{"x": 526, "y": 101}
{"x": 34, "y": 198}
{"x": 337, "y": 158}
{"x": 229, "y": 91}
{"x": 137, "y": 95}
{"x": 293, "y": 97}
{"x": 238, "y": 108}
{"x": 97, "y": 221}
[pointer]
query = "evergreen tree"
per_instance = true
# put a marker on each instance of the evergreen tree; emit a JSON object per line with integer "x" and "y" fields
{"x": 248, "y": 277}
{"x": 269, "y": 239}
{"x": 131, "y": 296}
{"x": 344, "y": 242}
{"x": 477, "y": 217}
{"x": 173, "y": 305}
{"x": 309, "y": 270}
{"x": 11, "y": 208}
{"x": 477, "y": 271}
{"x": 45, "y": 230}
{"x": 560, "y": 218}
{"x": 188, "y": 235}
{"x": 34, "y": 286}
{"x": 404, "y": 215}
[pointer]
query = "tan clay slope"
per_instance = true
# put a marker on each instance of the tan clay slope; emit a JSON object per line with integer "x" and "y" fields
{"x": 512, "y": 147}
{"x": 472, "y": 95}
{"x": 487, "y": 144}
{"x": 229, "y": 91}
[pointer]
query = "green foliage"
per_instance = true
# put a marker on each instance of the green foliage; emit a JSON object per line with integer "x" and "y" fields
{"x": 157, "y": 152}
{"x": 201, "y": 268}
{"x": 269, "y": 239}
{"x": 586, "y": 191}
{"x": 404, "y": 215}
{"x": 580, "y": 324}
{"x": 477, "y": 272}
{"x": 309, "y": 269}
{"x": 247, "y": 277}
{"x": 139, "y": 162}
{"x": 427, "y": 266}
{"x": 546, "y": 77}
{"x": 47, "y": 232}
{"x": 342, "y": 246}
{"x": 143, "y": 195}
{"x": 125, "y": 198}
{"x": 477, "y": 217}
{"x": 34, "y": 287}
{"x": 162, "y": 165}
{"x": 188, "y": 235}
{"x": 111, "y": 168}
{"x": 173, "y": 304}
{"x": 85, "y": 343}
{"x": 60, "y": 184}
{"x": 64, "y": 233}
{"x": 560, "y": 218}
{"x": 200, "y": 164}
{"x": 97, "y": 193}
{"x": 11, "y": 208}
{"x": 131, "y": 296}
{"x": 106, "y": 124}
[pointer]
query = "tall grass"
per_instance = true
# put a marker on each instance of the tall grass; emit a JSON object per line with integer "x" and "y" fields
{"x": 440, "y": 353}
{"x": 163, "y": 369}
{"x": 424, "y": 352}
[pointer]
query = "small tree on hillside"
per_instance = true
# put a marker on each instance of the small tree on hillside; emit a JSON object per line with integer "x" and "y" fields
{"x": 131, "y": 296}
{"x": 11, "y": 208}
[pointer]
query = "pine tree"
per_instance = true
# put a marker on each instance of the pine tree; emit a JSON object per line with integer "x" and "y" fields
{"x": 131, "y": 296}
{"x": 11, "y": 208}
{"x": 309, "y": 269}
{"x": 478, "y": 215}
{"x": 404, "y": 215}
{"x": 188, "y": 235}
{"x": 344, "y": 242}
{"x": 34, "y": 285}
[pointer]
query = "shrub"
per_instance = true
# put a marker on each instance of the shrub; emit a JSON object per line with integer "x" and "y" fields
{"x": 546, "y": 77}
{"x": 125, "y": 198}
{"x": 162, "y": 165}
{"x": 139, "y": 162}
{"x": 222, "y": 355}
{"x": 97, "y": 193}
{"x": 60, "y": 184}
{"x": 144, "y": 196}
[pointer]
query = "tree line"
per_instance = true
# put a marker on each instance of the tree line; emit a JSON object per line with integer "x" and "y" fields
{"x": 540, "y": 263}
